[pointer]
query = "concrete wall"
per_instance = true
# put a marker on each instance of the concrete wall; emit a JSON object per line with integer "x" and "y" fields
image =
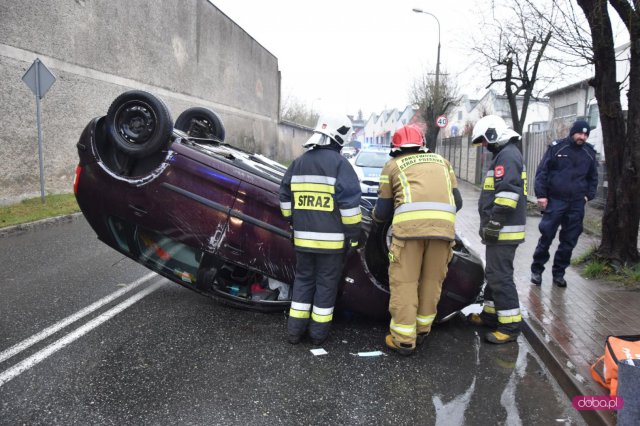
{"x": 295, "y": 136}
{"x": 187, "y": 52}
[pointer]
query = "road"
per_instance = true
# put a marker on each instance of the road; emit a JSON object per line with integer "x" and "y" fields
{"x": 90, "y": 337}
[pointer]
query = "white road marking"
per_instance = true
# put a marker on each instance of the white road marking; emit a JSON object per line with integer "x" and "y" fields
{"x": 19, "y": 347}
{"x": 40, "y": 356}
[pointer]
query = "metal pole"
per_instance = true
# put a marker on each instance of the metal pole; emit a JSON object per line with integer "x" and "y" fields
{"x": 438, "y": 68}
{"x": 437, "y": 91}
{"x": 40, "y": 155}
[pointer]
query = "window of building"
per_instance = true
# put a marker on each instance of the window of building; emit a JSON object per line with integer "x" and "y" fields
{"x": 565, "y": 111}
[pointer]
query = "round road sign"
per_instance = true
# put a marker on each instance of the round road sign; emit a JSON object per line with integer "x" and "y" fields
{"x": 442, "y": 121}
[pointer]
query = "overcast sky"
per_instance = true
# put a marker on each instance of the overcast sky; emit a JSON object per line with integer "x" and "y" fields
{"x": 346, "y": 55}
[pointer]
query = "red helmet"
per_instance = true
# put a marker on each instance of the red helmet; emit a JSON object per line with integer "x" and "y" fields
{"x": 407, "y": 137}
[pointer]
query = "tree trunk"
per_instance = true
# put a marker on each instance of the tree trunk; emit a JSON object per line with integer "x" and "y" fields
{"x": 431, "y": 136}
{"x": 622, "y": 211}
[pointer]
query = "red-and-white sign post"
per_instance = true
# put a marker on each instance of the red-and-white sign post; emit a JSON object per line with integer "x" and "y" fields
{"x": 442, "y": 121}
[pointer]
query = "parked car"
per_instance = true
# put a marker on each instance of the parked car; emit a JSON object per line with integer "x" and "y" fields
{"x": 186, "y": 204}
{"x": 368, "y": 165}
{"x": 348, "y": 151}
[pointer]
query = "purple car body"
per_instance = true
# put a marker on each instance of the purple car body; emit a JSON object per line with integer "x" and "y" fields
{"x": 206, "y": 215}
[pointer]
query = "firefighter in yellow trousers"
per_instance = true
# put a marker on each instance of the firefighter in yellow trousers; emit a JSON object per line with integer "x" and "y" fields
{"x": 419, "y": 189}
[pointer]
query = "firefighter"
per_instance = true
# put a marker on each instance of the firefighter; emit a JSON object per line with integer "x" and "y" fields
{"x": 419, "y": 190}
{"x": 320, "y": 197}
{"x": 566, "y": 179}
{"x": 503, "y": 211}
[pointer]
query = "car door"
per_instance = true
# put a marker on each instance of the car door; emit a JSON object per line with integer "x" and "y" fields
{"x": 259, "y": 233}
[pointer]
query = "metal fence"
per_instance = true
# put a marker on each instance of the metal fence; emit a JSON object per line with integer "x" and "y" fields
{"x": 471, "y": 163}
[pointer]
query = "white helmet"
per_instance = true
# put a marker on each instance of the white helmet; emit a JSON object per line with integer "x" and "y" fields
{"x": 493, "y": 130}
{"x": 330, "y": 127}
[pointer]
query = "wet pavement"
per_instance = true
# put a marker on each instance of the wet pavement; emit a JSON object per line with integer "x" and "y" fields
{"x": 175, "y": 357}
{"x": 567, "y": 326}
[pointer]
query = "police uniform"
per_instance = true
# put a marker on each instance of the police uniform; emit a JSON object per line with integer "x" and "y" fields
{"x": 503, "y": 199}
{"x": 566, "y": 175}
{"x": 320, "y": 196}
{"x": 417, "y": 189}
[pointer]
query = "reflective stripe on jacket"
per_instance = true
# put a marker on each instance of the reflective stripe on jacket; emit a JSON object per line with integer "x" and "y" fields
{"x": 504, "y": 195}
{"x": 320, "y": 196}
{"x": 420, "y": 187}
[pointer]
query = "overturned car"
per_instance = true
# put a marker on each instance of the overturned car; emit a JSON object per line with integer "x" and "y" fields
{"x": 181, "y": 201}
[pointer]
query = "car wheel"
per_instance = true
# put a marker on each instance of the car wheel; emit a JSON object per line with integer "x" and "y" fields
{"x": 377, "y": 252}
{"x": 201, "y": 123}
{"x": 139, "y": 123}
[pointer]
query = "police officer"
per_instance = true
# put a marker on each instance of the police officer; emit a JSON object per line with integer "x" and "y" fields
{"x": 503, "y": 210}
{"x": 419, "y": 189}
{"x": 320, "y": 196}
{"x": 566, "y": 179}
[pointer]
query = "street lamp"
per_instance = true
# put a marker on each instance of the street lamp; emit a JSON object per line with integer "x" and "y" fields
{"x": 438, "y": 59}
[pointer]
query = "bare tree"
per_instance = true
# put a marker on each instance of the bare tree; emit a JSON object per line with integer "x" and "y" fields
{"x": 422, "y": 94}
{"x": 621, "y": 141}
{"x": 513, "y": 51}
{"x": 295, "y": 111}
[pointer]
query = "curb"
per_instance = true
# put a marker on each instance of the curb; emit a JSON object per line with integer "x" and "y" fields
{"x": 38, "y": 224}
{"x": 563, "y": 370}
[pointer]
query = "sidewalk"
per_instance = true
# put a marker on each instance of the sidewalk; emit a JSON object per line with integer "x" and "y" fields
{"x": 566, "y": 326}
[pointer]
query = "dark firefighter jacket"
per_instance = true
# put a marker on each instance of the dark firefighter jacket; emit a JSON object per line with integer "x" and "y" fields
{"x": 504, "y": 195}
{"x": 320, "y": 196}
{"x": 567, "y": 171}
{"x": 418, "y": 189}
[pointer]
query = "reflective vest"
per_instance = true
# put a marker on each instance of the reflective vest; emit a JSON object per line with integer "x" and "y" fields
{"x": 504, "y": 195}
{"x": 320, "y": 196}
{"x": 420, "y": 185}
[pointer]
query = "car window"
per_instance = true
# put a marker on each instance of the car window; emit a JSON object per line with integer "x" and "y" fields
{"x": 253, "y": 163}
{"x": 372, "y": 159}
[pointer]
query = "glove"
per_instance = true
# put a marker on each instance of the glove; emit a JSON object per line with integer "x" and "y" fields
{"x": 491, "y": 232}
{"x": 352, "y": 246}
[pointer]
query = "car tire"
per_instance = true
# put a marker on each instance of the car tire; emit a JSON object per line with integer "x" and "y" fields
{"x": 139, "y": 123}
{"x": 202, "y": 123}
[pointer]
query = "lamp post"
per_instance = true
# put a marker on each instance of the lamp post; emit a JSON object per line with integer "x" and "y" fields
{"x": 438, "y": 58}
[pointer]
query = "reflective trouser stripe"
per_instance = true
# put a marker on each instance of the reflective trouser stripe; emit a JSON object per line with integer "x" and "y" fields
{"x": 404, "y": 329}
{"x": 425, "y": 319}
{"x": 322, "y": 314}
{"x": 286, "y": 213}
{"x": 509, "y": 319}
{"x": 299, "y": 314}
{"x": 489, "y": 309}
{"x": 509, "y": 315}
{"x": 300, "y": 310}
{"x": 321, "y": 318}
